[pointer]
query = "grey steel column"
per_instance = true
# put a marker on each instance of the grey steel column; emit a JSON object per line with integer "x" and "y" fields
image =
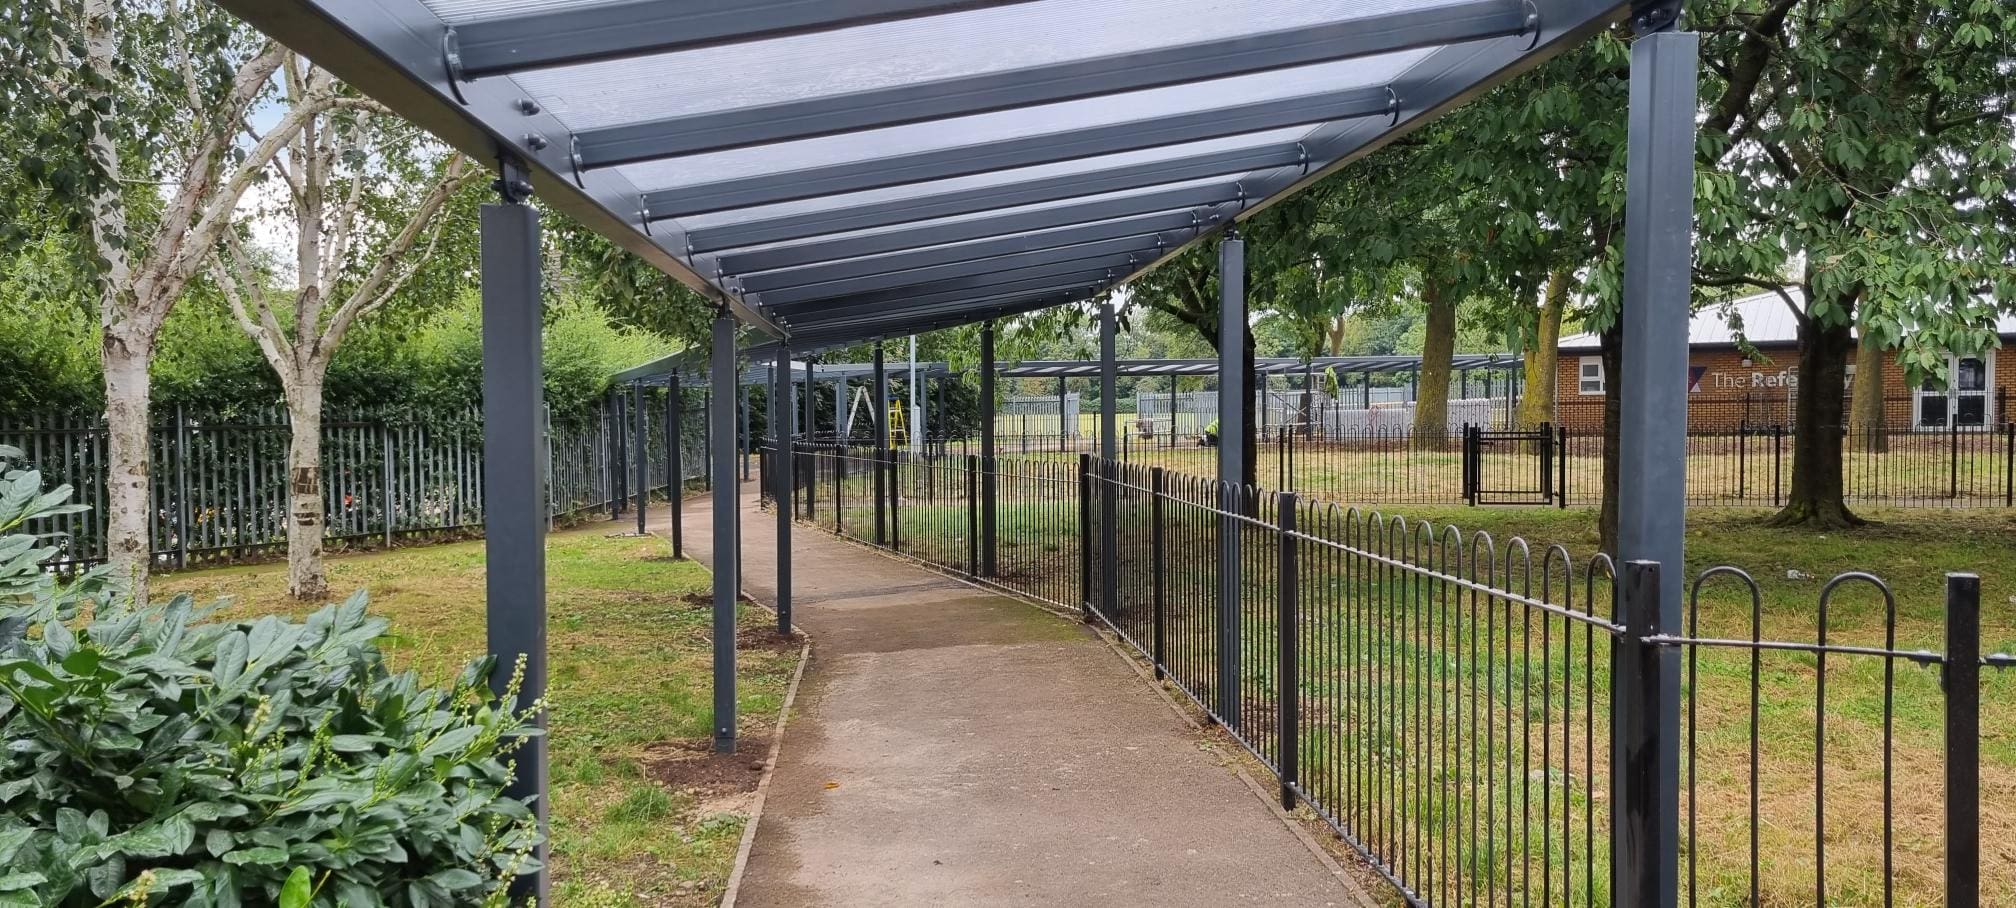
{"x": 1652, "y": 434}
{"x": 1063, "y": 422}
{"x": 727, "y": 539}
{"x": 781, "y": 428}
{"x": 987, "y": 488}
{"x": 743, "y": 442}
{"x": 880, "y": 413}
{"x": 514, "y": 472}
{"x": 811, "y": 399}
{"x": 675, "y": 468}
{"x": 840, "y": 421}
{"x": 1231, "y": 468}
{"x": 1109, "y": 451}
{"x": 1109, "y": 386}
{"x": 643, "y": 447}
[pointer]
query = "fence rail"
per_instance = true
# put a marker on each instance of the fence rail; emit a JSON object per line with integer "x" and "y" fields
{"x": 1490, "y": 722}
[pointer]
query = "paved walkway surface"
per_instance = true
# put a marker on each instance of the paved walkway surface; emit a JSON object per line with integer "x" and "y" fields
{"x": 954, "y": 747}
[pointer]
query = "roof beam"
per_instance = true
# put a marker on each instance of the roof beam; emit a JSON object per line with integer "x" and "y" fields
{"x": 1051, "y": 83}
{"x": 899, "y": 267}
{"x": 795, "y": 299}
{"x": 985, "y": 157}
{"x": 1017, "y": 233}
{"x": 1170, "y": 200}
{"x": 585, "y": 34}
{"x": 992, "y": 198}
{"x": 957, "y": 290}
{"x": 839, "y": 332}
{"x": 1146, "y": 231}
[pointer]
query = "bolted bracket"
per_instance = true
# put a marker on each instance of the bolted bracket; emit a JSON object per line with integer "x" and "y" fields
{"x": 1650, "y": 16}
{"x": 514, "y": 182}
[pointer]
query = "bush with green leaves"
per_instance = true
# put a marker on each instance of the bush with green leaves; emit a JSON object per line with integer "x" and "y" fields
{"x": 159, "y": 755}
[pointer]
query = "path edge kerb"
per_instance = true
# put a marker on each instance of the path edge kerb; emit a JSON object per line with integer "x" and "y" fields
{"x": 748, "y": 842}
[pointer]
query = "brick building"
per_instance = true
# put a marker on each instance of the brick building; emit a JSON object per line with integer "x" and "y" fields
{"x": 1730, "y": 388}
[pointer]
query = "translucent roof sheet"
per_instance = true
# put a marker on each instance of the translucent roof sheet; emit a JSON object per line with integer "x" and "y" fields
{"x": 839, "y": 169}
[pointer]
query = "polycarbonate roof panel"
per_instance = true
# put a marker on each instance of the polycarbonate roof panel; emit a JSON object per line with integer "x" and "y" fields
{"x": 889, "y": 54}
{"x": 994, "y": 150}
{"x": 994, "y": 127}
{"x": 1272, "y": 137}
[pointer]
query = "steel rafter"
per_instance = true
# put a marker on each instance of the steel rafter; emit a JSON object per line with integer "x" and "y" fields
{"x": 986, "y": 157}
{"x": 1060, "y": 278}
{"x": 813, "y": 303}
{"x": 994, "y": 198}
{"x": 1052, "y": 83}
{"x": 1124, "y": 250}
{"x": 615, "y": 31}
{"x": 1134, "y": 214}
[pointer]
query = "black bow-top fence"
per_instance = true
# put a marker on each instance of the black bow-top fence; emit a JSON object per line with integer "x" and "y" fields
{"x": 1490, "y": 722}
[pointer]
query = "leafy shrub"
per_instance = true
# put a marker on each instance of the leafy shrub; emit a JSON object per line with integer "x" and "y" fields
{"x": 157, "y": 756}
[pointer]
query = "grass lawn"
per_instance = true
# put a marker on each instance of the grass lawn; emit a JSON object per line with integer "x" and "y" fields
{"x": 1399, "y": 709}
{"x": 640, "y": 815}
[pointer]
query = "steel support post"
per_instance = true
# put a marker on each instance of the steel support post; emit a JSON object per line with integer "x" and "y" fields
{"x": 881, "y": 417}
{"x": 842, "y": 426}
{"x": 1109, "y": 453}
{"x": 1962, "y": 682}
{"x": 675, "y": 467}
{"x": 1231, "y": 467}
{"x": 1645, "y": 748}
{"x": 514, "y": 473}
{"x": 987, "y": 486}
{"x": 1064, "y": 421}
{"x": 1652, "y": 507}
{"x": 781, "y": 429}
{"x": 612, "y": 461}
{"x": 808, "y": 430}
{"x": 727, "y": 535}
{"x": 643, "y": 446}
{"x": 744, "y": 441}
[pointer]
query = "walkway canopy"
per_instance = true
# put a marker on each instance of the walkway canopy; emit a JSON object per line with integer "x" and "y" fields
{"x": 839, "y": 170}
{"x": 835, "y": 171}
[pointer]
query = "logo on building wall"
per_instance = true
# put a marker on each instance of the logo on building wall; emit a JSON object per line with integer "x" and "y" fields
{"x": 1694, "y": 374}
{"x": 1749, "y": 381}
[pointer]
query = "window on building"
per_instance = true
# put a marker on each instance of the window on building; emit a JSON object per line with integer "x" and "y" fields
{"x": 1592, "y": 375}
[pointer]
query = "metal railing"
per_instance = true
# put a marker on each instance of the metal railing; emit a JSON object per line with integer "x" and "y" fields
{"x": 220, "y": 485}
{"x": 1489, "y": 722}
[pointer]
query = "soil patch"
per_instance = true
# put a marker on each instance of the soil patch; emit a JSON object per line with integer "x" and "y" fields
{"x": 766, "y": 637}
{"x": 691, "y": 765}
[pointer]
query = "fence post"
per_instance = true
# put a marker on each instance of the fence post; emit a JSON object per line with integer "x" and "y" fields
{"x": 1159, "y": 648}
{"x": 839, "y": 488}
{"x": 182, "y": 509}
{"x": 1287, "y": 686}
{"x": 2008, "y": 464}
{"x": 1953, "y": 458}
{"x": 1561, "y": 461}
{"x": 1777, "y": 453}
{"x": 972, "y": 515}
{"x": 1645, "y": 746}
{"x": 895, "y": 487}
{"x": 1085, "y": 535}
{"x": 385, "y": 476}
{"x": 1962, "y": 682}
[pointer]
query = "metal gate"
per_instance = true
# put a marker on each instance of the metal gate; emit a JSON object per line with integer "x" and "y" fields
{"x": 1512, "y": 467}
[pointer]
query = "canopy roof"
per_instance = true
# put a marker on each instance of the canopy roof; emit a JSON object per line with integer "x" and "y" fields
{"x": 838, "y": 170}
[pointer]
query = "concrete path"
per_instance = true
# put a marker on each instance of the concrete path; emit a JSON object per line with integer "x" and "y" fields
{"x": 954, "y": 747}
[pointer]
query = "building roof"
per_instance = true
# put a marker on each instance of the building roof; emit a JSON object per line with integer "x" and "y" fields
{"x": 1763, "y": 320}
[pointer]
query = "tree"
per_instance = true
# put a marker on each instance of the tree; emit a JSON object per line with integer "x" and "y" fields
{"x": 141, "y": 139}
{"x": 351, "y": 176}
{"x": 1540, "y": 352}
{"x": 1863, "y": 150}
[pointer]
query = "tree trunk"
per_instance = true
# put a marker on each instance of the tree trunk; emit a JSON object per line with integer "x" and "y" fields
{"x": 1815, "y": 497}
{"x": 1542, "y": 356}
{"x": 306, "y": 578}
{"x": 1866, "y": 412}
{"x": 1613, "y": 361}
{"x": 129, "y": 517}
{"x": 1438, "y": 348}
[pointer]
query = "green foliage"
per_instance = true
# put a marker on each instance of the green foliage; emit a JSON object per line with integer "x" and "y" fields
{"x": 157, "y": 756}
{"x": 48, "y": 334}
